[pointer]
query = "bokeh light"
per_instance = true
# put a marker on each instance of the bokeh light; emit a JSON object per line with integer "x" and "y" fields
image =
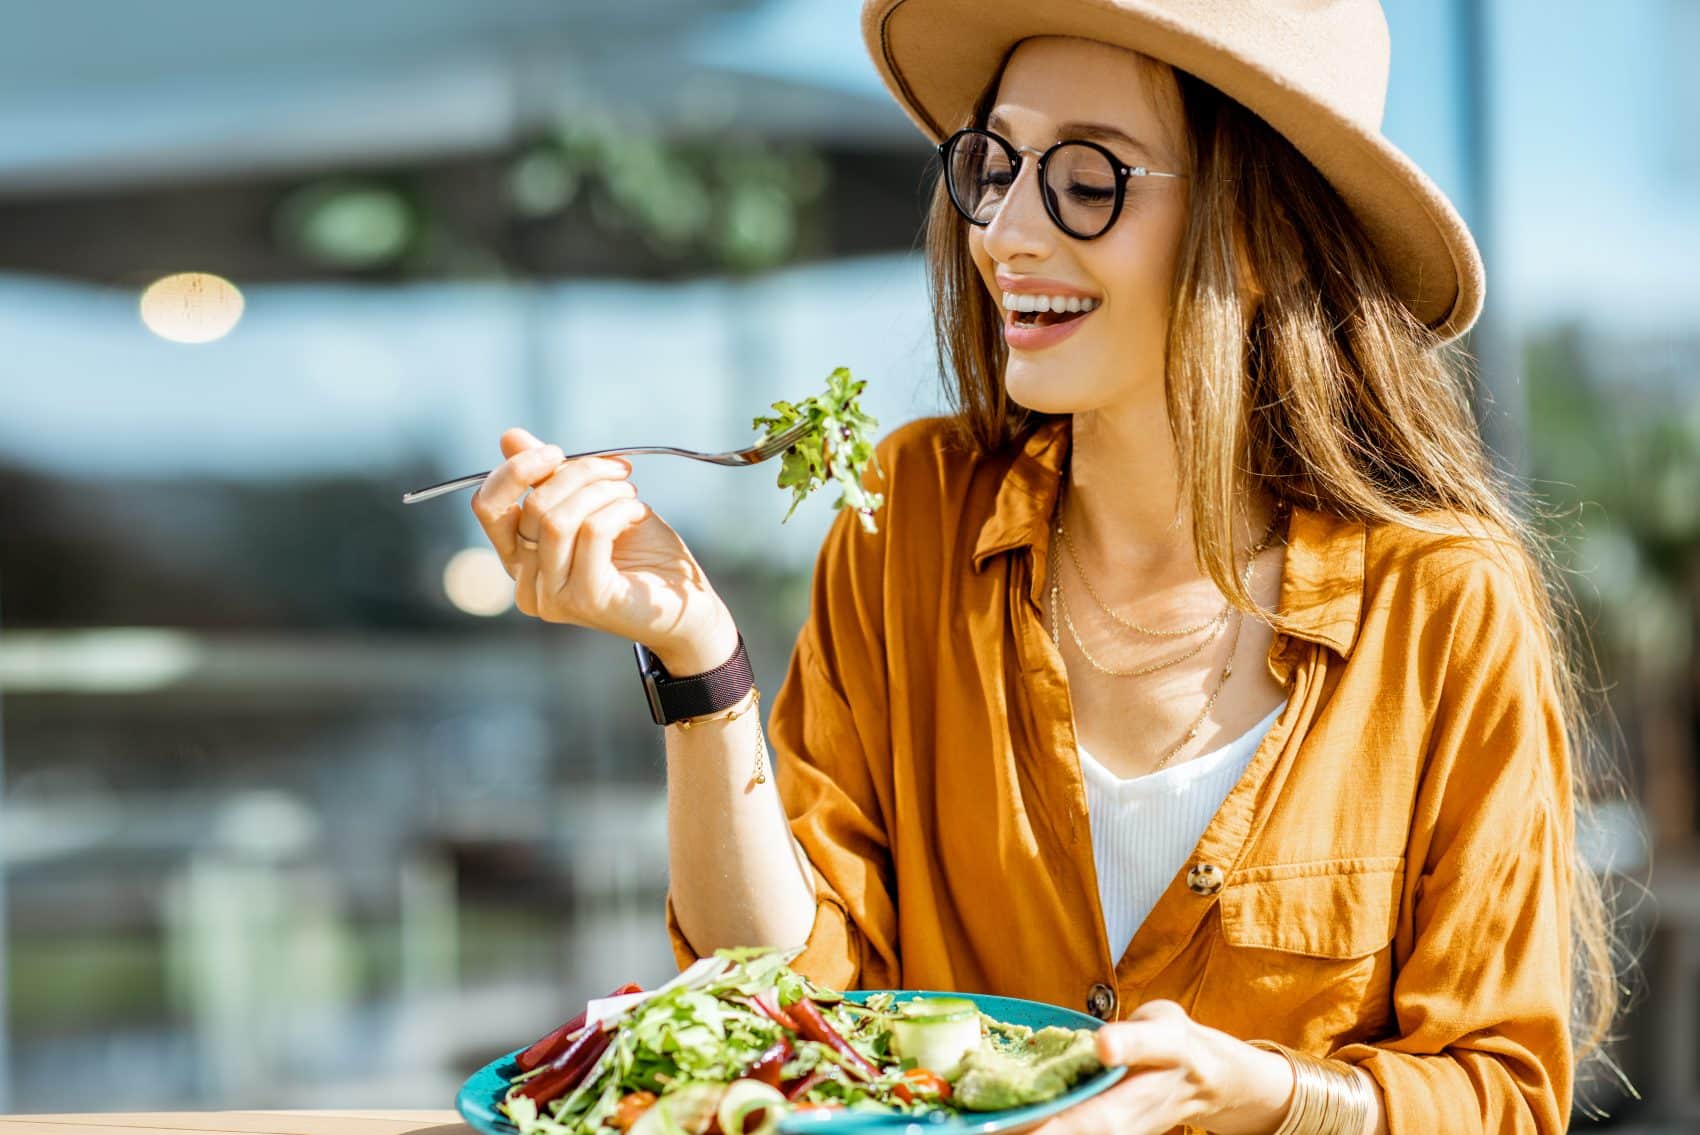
{"x": 191, "y": 307}
{"x": 475, "y": 581}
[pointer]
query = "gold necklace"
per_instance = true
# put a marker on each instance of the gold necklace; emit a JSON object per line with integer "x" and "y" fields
{"x": 1057, "y": 598}
{"x": 1064, "y": 616}
{"x": 1192, "y": 730}
{"x": 1233, "y": 643}
{"x": 1215, "y": 620}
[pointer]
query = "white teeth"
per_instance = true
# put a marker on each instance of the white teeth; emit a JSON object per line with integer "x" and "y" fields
{"x": 1027, "y": 301}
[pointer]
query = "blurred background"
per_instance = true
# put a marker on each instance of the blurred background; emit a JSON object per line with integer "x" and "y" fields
{"x": 296, "y": 810}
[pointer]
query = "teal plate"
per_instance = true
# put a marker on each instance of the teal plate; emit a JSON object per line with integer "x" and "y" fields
{"x": 478, "y": 1097}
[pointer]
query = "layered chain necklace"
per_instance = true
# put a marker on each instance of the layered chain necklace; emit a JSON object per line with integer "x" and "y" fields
{"x": 1060, "y": 617}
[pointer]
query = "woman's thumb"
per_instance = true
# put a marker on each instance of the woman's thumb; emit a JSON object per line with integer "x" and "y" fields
{"x": 518, "y": 440}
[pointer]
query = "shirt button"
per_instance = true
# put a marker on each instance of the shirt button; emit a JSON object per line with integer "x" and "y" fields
{"x": 1204, "y": 879}
{"x": 1101, "y": 1001}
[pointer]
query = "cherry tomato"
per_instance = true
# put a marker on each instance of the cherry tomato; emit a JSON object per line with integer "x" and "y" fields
{"x": 924, "y": 1081}
{"x": 631, "y": 1106}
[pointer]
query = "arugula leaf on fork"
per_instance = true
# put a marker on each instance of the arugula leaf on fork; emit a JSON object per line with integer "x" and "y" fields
{"x": 838, "y": 446}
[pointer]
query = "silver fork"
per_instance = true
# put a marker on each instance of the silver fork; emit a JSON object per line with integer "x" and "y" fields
{"x": 750, "y": 455}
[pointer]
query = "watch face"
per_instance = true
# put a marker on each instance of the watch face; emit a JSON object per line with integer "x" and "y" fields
{"x": 646, "y": 660}
{"x": 648, "y": 664}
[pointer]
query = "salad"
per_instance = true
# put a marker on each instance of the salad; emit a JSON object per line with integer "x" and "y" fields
{"x": 740, "y": 1039}
{"x": 838, "y": 446}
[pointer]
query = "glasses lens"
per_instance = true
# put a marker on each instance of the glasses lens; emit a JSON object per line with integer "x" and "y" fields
{"x": 978, "y": 174}
{"x": 1080, "y": 183}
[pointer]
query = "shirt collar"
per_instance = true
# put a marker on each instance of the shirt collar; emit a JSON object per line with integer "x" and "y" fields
{"x": 1322, "y": 582}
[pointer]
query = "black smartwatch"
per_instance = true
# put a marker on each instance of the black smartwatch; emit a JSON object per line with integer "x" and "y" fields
{"x": 673, "y": 699}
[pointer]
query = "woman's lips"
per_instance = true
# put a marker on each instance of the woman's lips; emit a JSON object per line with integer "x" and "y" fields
{"x": 1035, "y": 337}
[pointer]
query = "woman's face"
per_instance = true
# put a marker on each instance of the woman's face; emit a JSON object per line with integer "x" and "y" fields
{"x": 1114, "y": 353}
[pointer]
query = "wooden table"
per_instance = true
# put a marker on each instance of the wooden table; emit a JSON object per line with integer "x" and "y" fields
{"x": 240, "y": 1123}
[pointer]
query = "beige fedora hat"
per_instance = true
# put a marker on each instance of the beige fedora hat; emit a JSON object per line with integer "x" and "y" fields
{"x": 1315, "y": 70}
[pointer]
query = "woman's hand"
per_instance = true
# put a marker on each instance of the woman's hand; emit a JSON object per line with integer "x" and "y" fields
{"x": 1179, "y": 1073}
{"x": 583, "y": 549}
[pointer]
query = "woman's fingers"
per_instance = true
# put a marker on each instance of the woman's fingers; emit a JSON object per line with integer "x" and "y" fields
{"x": 584, "y": 589}
{"x": 556, "y": 524}
{"x": 496, "y": 504}
{"x": 594, "y": 554}
{"x": 562, "y": 527}
{"x": 567, "y": 479}
{"x": 517, "y": 439}
{"x": 1152, "y": 1034}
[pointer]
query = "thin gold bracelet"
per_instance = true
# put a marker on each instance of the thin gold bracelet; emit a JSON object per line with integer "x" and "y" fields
{"x": 748, "y": 702}
{"x": 1329, "y": 1097}
{"x": 736, "y": 711}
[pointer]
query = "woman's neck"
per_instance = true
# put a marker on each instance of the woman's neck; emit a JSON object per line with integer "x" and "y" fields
{"x": 1122, "y": 506}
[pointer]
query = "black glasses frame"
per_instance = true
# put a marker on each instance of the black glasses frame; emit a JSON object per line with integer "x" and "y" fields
{"x": 1014, "y": 152}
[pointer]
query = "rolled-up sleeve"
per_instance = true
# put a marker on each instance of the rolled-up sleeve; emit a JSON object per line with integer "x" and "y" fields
{"x": 829, "y": 732}
{"x": 1482, "y": 991}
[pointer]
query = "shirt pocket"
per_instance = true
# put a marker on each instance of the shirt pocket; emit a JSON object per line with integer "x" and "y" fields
{"x": 1305, "y": 953}
{"x": 1334, "y": 908}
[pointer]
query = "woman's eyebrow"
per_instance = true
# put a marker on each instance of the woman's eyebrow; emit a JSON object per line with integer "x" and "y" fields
{"x": 1092, "y": 131}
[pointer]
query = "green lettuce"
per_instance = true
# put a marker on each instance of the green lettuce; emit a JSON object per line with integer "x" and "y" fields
{"x": 838, "y": 446}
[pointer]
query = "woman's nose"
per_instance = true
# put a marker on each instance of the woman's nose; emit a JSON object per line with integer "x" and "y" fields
{"x": 1020, "y": 225}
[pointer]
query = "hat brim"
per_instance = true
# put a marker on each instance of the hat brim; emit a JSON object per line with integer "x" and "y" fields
{"x": 935, "y": 57}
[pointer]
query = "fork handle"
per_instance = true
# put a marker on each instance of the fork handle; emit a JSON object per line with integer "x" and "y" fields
{"x": 443, "y": 488}
{"x": 467, "y": 482}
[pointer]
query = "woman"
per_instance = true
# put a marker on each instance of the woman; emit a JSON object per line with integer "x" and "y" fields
{"x": 1200, "y": 674}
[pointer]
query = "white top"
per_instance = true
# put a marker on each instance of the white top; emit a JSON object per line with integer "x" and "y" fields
{"x": 1144, "y": 829}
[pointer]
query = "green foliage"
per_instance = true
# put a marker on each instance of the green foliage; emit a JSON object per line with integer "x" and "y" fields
{"x": 838, "y": 446}
{"x": 734, "y": 199}
{"x": 1616, "y": 458}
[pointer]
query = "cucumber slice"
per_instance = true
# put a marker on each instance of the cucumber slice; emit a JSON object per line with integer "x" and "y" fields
{"x": 687, "y": 1110}
{"x": 745, "y": 1096}
{"x": 918, "y": 1007}
{"x": 937, "y": 1035}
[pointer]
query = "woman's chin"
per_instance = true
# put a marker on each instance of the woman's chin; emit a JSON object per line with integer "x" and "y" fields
{"x": 1038, "y": 389}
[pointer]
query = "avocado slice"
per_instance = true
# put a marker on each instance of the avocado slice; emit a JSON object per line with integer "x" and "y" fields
{"x": 1040, "y": 1068}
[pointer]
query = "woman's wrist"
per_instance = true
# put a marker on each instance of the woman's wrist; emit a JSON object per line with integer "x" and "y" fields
{"x": 1257, "y": 1092}
{"x": 700, "y": 651}
{"x": 1324, "y": 1097}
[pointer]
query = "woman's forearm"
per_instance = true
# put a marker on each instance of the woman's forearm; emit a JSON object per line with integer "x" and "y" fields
{"x": 738, "y": 878}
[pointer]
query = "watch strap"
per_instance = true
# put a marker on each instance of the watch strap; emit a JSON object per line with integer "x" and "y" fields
{"x": 673, "y": 699}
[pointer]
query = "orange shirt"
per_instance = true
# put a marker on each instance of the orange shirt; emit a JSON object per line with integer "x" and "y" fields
{"x": 1387, "y": 884}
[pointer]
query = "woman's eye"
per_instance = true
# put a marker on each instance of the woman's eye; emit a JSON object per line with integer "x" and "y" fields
{"x": 995, "y": 179}
{"x": 1091, "y": 194}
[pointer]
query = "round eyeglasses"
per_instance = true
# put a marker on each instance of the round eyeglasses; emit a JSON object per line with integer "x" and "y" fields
{"x": 1083, "y": 184}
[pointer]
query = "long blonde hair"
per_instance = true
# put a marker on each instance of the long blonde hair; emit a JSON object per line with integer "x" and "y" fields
{"x": 1333, "y": 396}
